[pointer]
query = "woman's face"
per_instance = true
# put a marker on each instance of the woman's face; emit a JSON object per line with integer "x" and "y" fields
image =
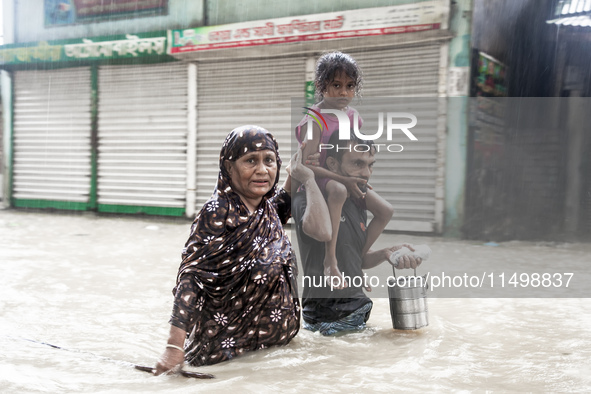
{"x": 253, "y": 175}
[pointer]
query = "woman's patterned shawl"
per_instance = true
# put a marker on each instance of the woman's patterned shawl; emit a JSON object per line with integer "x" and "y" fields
{"x": 226, "y": 239}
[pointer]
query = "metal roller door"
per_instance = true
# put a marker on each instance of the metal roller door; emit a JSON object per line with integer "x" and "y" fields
{"x": 408, "y": 179}
{"x": 1, "y": 153}
{"x": 52, "y": 133}
{"x": 142, "y": 129}
{"x": 236, "y": 93}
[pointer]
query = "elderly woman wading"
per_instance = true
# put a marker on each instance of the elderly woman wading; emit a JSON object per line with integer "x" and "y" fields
{"x": 236, "y": 288}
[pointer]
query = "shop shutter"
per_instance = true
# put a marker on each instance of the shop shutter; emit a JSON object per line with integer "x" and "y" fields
{"x": 52, "y": 131}
{"x": 1, "y": 153}
{"x": 236, "y": 93}
{"x": 407, "y": 179}
{"x": 142, "y": 128}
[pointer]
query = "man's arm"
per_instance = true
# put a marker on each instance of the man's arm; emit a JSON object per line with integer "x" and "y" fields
{"x": 382, "y": 213}
{"x": 374, "y": 258}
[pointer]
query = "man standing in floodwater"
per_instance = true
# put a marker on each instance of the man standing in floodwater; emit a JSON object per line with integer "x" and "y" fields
{"x": 329, "y": 304}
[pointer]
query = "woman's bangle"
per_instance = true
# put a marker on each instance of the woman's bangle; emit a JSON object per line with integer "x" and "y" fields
{"x": 175, "y": 347}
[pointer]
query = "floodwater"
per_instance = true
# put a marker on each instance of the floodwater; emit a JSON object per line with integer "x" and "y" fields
{"x": 100, "y": 288}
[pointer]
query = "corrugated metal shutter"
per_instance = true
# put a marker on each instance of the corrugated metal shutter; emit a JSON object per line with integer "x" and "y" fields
{"x": 52, "y": 136}
{"x": 407, "y": 179}
{"x": 235, "y": 93}
{"x": 1, "y": 153}
{"x": 142, "y": 137}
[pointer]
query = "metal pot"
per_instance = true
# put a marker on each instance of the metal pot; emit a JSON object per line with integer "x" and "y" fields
{"x": 408, "y": 301}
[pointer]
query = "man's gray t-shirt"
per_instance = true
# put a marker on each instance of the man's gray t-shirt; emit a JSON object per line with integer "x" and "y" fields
{"x": 319, "y": 303}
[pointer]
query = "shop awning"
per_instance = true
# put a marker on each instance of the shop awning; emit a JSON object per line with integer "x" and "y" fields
{"x": 576, "y": 13}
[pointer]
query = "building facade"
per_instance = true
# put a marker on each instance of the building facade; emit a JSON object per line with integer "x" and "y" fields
{"x": 125, "y": 110}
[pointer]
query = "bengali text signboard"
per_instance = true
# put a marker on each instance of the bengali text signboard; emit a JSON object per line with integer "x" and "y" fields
{"x": 97, "y": 48}
{"x": 428, "y": 15}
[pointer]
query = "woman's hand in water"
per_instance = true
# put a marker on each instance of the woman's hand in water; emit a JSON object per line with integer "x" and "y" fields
{"x": 171, "y": 361}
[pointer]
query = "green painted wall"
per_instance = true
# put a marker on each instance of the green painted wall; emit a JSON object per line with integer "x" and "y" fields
{"x": 219, "y": 12}
{"x": 457, "y": 122}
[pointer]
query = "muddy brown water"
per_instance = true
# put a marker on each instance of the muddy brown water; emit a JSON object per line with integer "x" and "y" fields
{"x": 101, "y": 288}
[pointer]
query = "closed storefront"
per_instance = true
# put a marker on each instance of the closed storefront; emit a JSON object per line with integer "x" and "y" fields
{"x": 235, "y": 93}
{"x": 408, "y": 179}
{"x": 145, "y": 138}
{"x": 111, "y": 138}
{"x": 259, "y": 91}
{"x": 252, "y": 81}
{"x": 52, "y": 138}
{"x": 142, "y": 132}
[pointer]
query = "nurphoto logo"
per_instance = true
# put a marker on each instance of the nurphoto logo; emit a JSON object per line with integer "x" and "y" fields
{"x": 395, "y": 121}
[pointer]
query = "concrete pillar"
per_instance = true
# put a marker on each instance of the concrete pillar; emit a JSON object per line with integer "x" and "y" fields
{"x": 457, "y": 122}
{"x": 576, "y": 127}
{"x": 6, "y": 176}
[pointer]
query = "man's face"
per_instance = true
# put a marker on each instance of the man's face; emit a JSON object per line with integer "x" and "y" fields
{"x": 357, "y": 164}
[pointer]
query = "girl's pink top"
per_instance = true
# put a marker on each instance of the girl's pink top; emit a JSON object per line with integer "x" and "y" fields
{"x": 333, "y": 125}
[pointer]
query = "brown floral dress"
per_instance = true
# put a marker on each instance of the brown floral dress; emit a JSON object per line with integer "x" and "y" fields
{"x": 236, "y": 286}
